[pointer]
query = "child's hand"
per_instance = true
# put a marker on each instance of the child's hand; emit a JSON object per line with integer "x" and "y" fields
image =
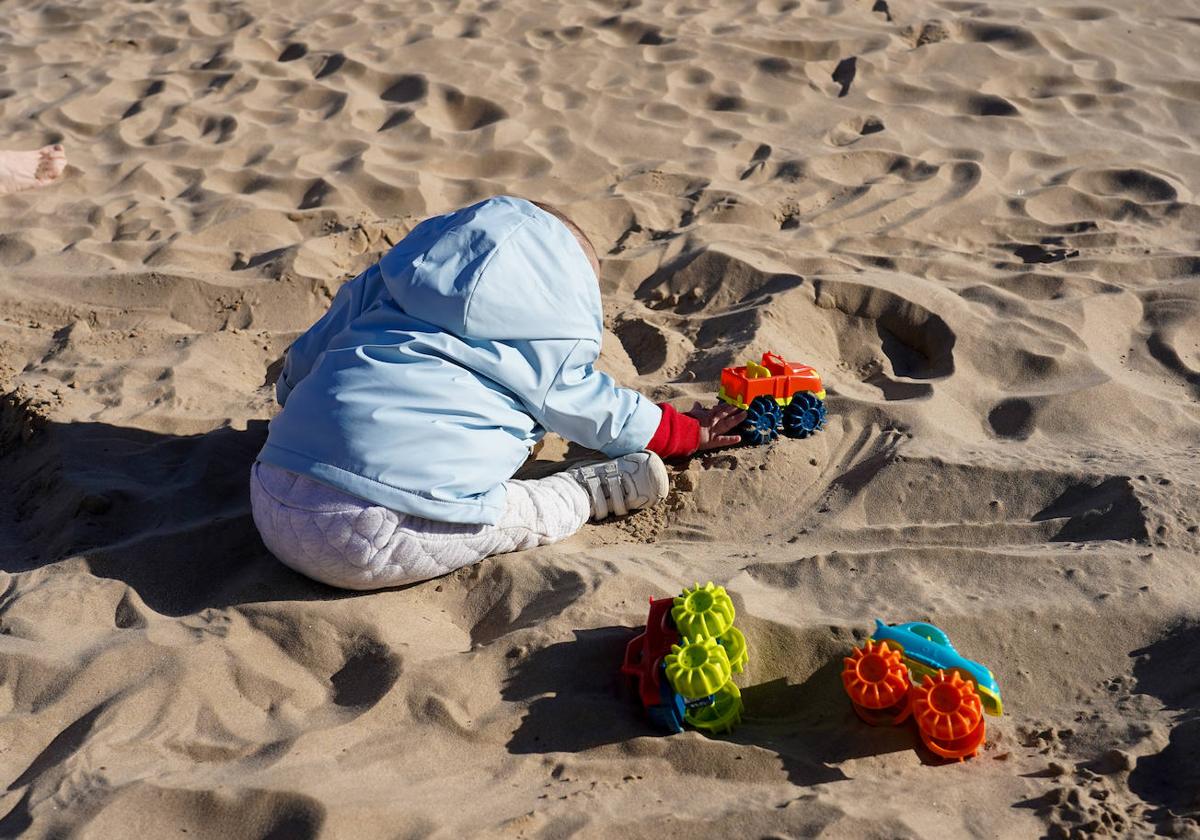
{"x": 715, "y": 425}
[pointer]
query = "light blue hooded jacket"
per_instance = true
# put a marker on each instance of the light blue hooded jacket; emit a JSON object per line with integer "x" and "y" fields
{"x": 434, "y": 372}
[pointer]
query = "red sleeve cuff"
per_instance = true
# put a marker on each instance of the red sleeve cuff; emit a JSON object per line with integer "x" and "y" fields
{"x": 677, "y": 434}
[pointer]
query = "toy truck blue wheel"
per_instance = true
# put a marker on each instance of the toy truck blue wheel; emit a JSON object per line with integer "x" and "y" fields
{"x": 761, "y": 425}
{"x": 804, "y": 415}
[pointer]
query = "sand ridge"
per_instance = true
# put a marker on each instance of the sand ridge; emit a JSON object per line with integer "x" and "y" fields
{"x": 977, "y": 219}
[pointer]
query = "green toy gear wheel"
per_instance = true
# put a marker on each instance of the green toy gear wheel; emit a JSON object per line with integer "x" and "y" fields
{"x": 698, "y": 667}
{"x": 735, "y": 648}
{"x": 703, "y": 611}
{"x": 724, "y": 713}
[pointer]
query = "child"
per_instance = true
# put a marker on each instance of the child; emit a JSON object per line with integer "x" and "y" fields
{"x": 408, "y": 407}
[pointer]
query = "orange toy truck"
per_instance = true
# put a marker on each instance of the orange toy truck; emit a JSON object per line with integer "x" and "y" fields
{"x": 777, "y": 396}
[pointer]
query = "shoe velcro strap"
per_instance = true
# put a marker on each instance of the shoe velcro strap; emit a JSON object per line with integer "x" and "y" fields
{"x": 599, "y": 505}
{"x": 616, "y": 495}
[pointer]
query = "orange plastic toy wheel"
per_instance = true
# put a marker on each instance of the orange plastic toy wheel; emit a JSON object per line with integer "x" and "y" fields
{"x": 949, "y": 715}
{"x": 878, "y": 684}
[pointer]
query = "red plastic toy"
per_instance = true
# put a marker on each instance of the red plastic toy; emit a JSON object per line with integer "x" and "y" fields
{"x": 643, "y": 664}
{"x": 683, "y": 663}
{"x": 777, "y": 396}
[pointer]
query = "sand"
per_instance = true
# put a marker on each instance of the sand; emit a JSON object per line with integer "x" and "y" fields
{"x": 977, "y": 219}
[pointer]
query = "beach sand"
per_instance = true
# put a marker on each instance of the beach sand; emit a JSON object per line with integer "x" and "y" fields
{"x": 977, "y": 219}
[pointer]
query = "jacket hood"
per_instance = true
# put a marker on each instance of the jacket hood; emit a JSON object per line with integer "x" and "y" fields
{"x": 500, "y": 270}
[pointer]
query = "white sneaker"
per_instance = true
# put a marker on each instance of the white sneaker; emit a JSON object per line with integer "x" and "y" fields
{"x": 624, "y": 484}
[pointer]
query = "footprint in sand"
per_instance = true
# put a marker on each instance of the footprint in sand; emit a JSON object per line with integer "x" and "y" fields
{"x": 25, "y": 170}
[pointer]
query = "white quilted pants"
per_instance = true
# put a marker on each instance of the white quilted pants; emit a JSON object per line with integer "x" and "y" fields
{"x": 347, "y": 542}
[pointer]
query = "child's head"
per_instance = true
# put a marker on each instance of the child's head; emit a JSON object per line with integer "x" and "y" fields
{"x": 588, "y": 248}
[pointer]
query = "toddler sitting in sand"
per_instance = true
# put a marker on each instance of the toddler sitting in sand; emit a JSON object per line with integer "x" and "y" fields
{"x": 409, "y": 406}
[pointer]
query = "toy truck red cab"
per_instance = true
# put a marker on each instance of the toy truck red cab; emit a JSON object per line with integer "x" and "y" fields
{"x": 643, "y": 664}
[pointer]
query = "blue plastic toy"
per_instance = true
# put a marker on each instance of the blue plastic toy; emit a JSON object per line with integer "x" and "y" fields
{"x": 927, "y": 650}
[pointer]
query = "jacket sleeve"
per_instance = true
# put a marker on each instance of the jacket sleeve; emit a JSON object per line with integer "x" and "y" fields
{"x": 588, "y": 408}
{"x": 303, "y": 353}
{"x": 677, "y": 434}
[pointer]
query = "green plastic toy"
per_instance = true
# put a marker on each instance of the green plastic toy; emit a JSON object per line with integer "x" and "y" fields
{"x": 703, "y": 611}
{"x": 724, "y": 713}
{"x": 698, "y": 668}
{"x": 711, "y": 650}
{"x": 683, "y": 662}
{"x": 735, "y": 648}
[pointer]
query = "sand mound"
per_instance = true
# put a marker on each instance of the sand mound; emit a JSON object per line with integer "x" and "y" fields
{"x": 978, "y": 220}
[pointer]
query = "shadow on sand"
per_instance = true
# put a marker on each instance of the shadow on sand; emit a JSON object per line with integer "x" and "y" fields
{"x": 169, "y": 515}
{"x": 1169, "y": 670}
